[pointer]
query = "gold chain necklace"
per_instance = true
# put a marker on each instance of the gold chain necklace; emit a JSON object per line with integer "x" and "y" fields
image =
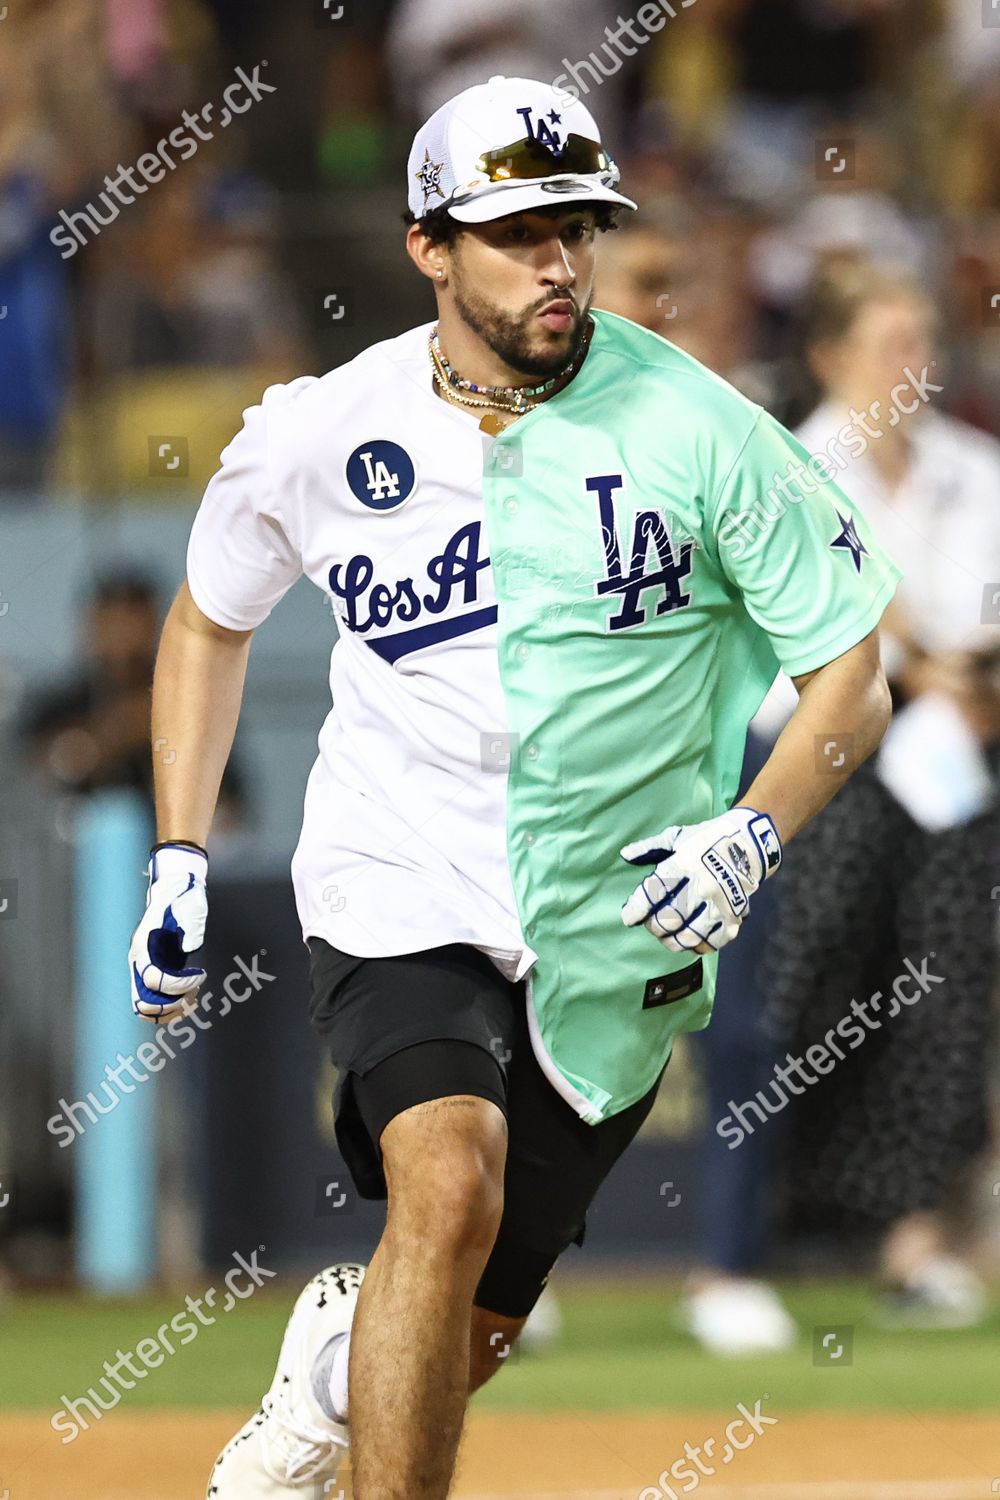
{"x": 498, "y": 413}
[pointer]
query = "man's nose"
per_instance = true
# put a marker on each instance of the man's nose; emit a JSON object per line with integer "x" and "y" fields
{"x": 559, "y": 269}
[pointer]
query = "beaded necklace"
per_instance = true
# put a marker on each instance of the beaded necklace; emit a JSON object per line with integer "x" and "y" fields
{"x": 501, "y": 404}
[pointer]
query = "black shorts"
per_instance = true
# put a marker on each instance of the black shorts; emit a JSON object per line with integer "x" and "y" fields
{"x": 425, "y": 1025}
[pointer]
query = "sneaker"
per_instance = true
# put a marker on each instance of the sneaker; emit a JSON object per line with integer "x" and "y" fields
{"x": 290, "y": 1446}
{"x": 944, "y": 1293}
{"x": 738, "y": 1318}
{"x": 544, "y": 1324}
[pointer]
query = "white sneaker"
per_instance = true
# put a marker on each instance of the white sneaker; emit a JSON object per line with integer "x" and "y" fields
{"x": 290, "y": 1445}
{"x": 738, "y": 1318}
{"x": 544, "y": 1324}
{"x": 943, "y": 1293}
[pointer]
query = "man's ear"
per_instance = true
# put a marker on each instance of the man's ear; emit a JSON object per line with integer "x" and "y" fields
{"x": 429, "y": 256}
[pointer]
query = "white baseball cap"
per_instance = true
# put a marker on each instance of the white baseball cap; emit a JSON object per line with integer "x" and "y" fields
{"x": 506, "y": 146}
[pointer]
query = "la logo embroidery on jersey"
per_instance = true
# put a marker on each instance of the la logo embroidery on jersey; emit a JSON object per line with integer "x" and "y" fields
{"x": 370, "y": 604}
{"x": 649, "y": 526}
{"x": 381, "y": 475}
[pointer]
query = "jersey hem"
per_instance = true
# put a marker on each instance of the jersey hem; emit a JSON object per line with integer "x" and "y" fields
{"x": 590, "y": 1113}
{"x": 566, "y": 1091}
{"x": 520, "y": 957}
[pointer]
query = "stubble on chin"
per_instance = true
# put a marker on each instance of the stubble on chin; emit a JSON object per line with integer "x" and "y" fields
{"x": 522, "y": 342}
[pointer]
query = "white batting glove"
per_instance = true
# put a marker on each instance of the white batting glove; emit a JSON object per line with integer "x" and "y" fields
{"x": 699, "y": 893}
{"x": 163, "y": 983}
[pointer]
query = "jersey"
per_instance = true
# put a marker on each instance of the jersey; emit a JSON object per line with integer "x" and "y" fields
{"x": 549, "y": 645}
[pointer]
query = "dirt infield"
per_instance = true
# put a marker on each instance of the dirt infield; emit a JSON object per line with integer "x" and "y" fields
{"x": 565, "y": 1456}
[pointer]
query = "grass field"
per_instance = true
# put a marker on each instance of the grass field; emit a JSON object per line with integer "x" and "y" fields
{"x": 621, "y": 1349}
{"x": 913, "y": 1416}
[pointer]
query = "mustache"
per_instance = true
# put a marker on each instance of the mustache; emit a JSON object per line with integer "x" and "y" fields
{"x": 555, "y": 297}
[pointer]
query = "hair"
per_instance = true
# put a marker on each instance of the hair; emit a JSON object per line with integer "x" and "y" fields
{"x": 442, "y": 229}
{"x": 841, "y": 293}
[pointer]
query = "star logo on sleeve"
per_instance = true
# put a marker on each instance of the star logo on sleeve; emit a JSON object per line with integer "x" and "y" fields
{"x": 429, "y": 177}
{"x": 849, "y": 540}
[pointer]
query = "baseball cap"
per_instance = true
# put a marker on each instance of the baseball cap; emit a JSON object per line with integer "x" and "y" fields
{"x": 506, "y": 146}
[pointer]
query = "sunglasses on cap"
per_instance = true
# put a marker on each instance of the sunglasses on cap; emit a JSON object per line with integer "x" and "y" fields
{"x": 530, "y": 159}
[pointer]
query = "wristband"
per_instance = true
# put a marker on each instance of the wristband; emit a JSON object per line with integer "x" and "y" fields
{"x": 179, "y": 844}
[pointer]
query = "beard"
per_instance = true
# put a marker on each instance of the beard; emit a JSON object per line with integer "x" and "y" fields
{"x": 510, "y": 337}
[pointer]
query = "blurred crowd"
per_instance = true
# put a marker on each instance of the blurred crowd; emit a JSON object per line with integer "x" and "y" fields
{"x": 819, "y": 190}
{"x": 764, "y": 139}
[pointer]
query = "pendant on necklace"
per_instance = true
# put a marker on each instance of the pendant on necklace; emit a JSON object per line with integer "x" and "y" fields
{"x": 494, "y": 423}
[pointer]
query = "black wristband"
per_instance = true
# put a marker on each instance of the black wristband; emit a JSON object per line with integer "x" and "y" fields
{"x": 179, "y": 844}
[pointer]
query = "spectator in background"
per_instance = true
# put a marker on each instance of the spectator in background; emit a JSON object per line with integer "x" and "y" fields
{"x": 34, "y": 343}
{"x": 60, "y": 121}
{"x": 645, "y": 272}
{"x": 753, "y": 85}
{"x": 436, "y": 48}
{"x": 190, "y": 279}
{"x": 683, "y": 272}
{"x": 92, "y": 731}
{"x": 973, "y": 321}
{"x": 859, "y": 215}
{"x": 906, "y": 855}
{"x": 797, "y": 66}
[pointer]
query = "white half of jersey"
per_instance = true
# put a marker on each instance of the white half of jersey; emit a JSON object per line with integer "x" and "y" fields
{"x": 369, "y": 484}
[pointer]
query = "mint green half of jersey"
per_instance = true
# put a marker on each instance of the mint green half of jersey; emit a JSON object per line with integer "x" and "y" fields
{"x": 660, "y": 546}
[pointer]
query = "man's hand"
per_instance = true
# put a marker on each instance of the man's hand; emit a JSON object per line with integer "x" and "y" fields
{"x": 163, "y": 984}
{"x": 699, "y": 893}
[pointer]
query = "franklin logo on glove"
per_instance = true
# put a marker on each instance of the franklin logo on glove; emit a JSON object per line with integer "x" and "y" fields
{"x": 699, "y": 893}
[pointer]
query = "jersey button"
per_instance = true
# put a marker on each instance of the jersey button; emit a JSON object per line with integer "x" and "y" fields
{"x": 523, "y": 652}
{"x": 510, "y": 504}
{"x": 529, "y": 839}
{"x": 531, "y": 751}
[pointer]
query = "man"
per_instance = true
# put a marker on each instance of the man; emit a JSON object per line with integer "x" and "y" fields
{"x": 92, "y": 729}
{"x": 544, "y": 651}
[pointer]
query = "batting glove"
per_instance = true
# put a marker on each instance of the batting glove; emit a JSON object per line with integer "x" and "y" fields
{"x": 163, "y": 983}
{"x": 705, "y": 874}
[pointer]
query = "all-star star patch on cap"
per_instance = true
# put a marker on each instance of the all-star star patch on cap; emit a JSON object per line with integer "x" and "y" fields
{"x": 506, "y": 146}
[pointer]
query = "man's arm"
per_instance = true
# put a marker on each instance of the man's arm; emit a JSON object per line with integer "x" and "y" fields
{"x": 197, "y": 692}
{"x": 842, "y": 713}
{"x": 698, "y": 895}
{"x": 240, "y": 561}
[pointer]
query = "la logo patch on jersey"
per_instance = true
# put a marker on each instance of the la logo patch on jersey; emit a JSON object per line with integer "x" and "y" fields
{"x": 381, "y": 475}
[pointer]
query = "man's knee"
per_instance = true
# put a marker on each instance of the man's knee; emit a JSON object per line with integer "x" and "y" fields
{"x": 444, "y": 1166}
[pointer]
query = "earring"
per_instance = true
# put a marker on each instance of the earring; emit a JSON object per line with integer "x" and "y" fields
{"x": 439, "y": 273}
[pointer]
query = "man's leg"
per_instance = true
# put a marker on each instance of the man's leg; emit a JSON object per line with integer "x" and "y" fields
{"x": 410, "y": 1342}
{"x": 491, "y": 1343}
{"x": 555, "y": 1165}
